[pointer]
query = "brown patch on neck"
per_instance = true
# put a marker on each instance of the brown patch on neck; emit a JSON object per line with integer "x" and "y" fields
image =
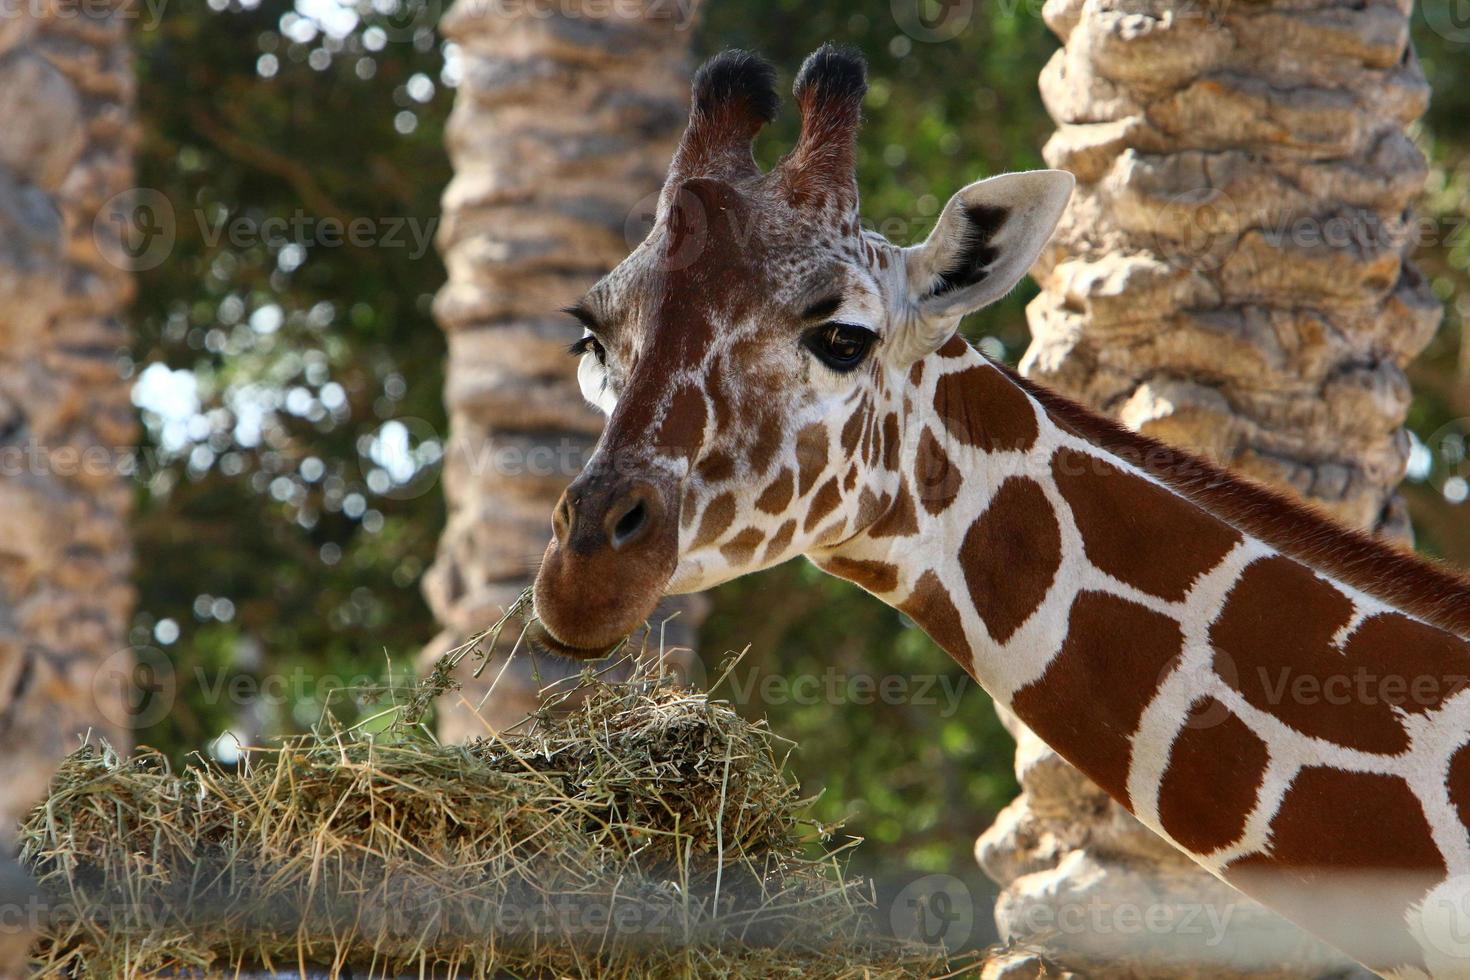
{"x": 1398, "y": 577}
{"x": 717, "y": 467}
{"x": 1216, "y": 767}
{"x": 1010, "y": 556}
{"x": 981, "y": 409}
{"x": 768, "y": 435}
{"x": 777, "y": 494}
{"x": 682, "y": 430}
{"x": 811, "y": 456}
{"x": 719, "y": 514}
{"x": 1350, "y": 853}
{"x": 931, "y": 607}
{"x": 1459, "y": 782}
{"x": 955, "y": 346}
{"x": 1274, "y": 644}
{"x": 1090, "y": 699}
{"x": 1137, "y": 531}
{"x": 936, "y": 478}
{"x": 878, "y": 577}
{"x": 741, "y": 548}
{"x": 823, "y": 502}
{"x": 891, "y": 443}
{"x": 900, "y": 520}
{"x": 852, "y": 431}
{"x": 780, "y": 541}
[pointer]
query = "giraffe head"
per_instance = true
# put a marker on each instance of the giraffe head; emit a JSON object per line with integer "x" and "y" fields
{"x": 752, "y": 353}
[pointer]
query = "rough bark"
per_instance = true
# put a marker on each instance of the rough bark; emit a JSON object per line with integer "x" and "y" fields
{"x": 560, "y": 136}
{"x": 66, "y": 424}
{"x": 1232, "y": 276}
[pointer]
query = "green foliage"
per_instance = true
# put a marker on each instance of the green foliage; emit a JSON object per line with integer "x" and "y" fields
{"x": 273, "y": 540}
{"x": 1440, "y": 417}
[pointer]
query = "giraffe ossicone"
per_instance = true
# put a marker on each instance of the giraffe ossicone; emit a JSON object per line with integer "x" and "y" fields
{"x": 1281, "y": 698}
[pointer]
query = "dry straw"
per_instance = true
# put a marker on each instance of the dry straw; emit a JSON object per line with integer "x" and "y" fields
{"x": 647, "y": 831}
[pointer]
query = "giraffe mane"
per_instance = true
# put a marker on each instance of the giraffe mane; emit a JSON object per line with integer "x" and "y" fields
{"x": 1411, "y": 582}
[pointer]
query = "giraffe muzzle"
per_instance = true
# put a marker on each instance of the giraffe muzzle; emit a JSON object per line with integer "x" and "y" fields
{"x": 614, "y": 547}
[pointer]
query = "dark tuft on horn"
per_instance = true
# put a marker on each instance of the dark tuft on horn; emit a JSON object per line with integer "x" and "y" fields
{"x": 832, "y": 72}
{"x": 740, "y": 83}
{"x": 819, "y": 170}
{"x": 734, "y": 96}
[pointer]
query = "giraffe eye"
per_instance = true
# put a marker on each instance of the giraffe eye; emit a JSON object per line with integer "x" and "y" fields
{"x": 840, "y": 346}
{"x": 589, "y": 345}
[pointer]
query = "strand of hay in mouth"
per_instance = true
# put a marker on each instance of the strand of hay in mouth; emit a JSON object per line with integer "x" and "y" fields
{"x": 649, "y": 832}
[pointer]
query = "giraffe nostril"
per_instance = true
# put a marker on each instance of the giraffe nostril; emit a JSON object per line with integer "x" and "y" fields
{"x": 561, "y": 519}
{"x": 631, "y": 525}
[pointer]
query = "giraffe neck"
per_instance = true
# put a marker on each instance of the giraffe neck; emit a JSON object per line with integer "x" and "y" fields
{"x": 1244, "y": 682}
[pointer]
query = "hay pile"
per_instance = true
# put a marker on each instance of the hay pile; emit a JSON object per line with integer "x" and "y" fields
{"x": 651, "y": 832}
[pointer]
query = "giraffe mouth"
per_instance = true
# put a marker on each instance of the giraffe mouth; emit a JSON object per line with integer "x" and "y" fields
{"x": 587, "y": 604}
{"x": 541, "y": 637}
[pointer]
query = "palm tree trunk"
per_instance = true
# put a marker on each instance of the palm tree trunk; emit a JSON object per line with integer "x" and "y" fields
{"x": 1232, "y": 276}
{"x": 66, "y": 127}
{"x": 562, "y": 129}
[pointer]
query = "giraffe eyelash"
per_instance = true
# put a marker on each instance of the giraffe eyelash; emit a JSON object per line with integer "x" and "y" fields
{"x": 588, "y": 345}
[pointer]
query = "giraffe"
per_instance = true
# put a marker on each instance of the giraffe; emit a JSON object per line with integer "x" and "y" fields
{"x": 1281, "y": 698}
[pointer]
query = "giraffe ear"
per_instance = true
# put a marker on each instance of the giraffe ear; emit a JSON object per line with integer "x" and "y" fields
{"x": 986, "y": 238}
